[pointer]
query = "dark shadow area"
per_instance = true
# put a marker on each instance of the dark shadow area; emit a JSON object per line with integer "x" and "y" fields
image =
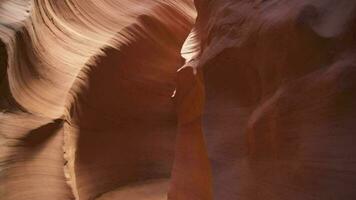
{"x": 39, "y": 136}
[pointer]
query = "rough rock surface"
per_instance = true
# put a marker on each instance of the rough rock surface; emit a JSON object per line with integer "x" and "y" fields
{"x": 263, "y": 104}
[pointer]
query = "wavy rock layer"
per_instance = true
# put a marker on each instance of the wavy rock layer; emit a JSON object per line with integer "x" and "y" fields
{"x": 263, "y": 105}
{"x": 86, "y": 94}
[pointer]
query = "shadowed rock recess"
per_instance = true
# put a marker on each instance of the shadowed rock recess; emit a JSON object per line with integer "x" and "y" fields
{"x": 177, "y": 99}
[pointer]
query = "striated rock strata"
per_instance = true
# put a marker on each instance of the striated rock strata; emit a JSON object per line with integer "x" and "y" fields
{"x": 178, "y": 100}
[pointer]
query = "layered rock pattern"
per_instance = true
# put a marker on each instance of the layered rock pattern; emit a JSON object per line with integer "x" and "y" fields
{"x": 212, "y": 99}
{"x": 86, "y": 94}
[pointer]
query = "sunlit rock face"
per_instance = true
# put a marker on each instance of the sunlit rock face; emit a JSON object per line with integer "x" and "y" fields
{"x": 178, "y": 100}
{"x": 86, "y": 102}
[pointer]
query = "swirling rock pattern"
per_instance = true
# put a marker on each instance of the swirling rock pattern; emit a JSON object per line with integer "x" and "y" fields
{"x": 86, "y": 94}
{"x": 262, "y": 106}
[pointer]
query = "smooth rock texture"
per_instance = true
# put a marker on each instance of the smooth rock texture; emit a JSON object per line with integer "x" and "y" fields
{"x": 280, "y": 92}
{"x": 150, "y": 190}
{"x": 98, "y": 77}
{"x": 177, "y": 99}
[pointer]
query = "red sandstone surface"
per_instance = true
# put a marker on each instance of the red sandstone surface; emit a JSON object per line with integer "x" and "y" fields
{"x": 177, "y": 99}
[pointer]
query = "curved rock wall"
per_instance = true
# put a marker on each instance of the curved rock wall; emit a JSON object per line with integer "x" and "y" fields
{"x": 279, "y": 82}
{"x": 90, "y": 83}
{"x": 262, "y": 105}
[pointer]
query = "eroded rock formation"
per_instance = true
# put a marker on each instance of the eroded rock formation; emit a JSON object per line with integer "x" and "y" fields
{"x": 279, "y": 80}
{"x": 86, "y": 94}
{"x": 262, "y": 106}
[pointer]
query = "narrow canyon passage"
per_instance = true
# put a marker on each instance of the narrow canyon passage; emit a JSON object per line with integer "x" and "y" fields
{"x": 177, "y": 99}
